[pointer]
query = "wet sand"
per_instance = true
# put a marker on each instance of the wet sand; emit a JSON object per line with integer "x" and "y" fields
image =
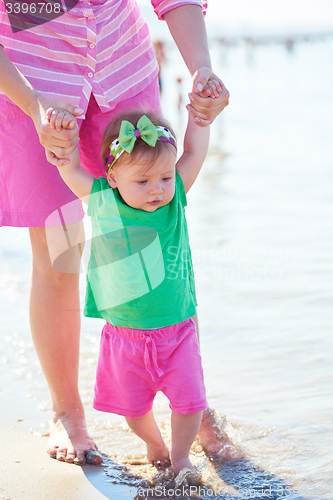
{"x": 27, "y": 471}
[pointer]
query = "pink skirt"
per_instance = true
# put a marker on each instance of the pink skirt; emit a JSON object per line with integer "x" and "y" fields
{"x": 30, "y": 187}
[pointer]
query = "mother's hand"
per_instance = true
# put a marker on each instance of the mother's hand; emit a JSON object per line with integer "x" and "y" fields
{"x": 203, "y": 107}
{"x": 62, "y": 142}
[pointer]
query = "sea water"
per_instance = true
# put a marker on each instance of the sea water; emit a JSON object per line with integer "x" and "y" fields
{"x": 260, "y": 223}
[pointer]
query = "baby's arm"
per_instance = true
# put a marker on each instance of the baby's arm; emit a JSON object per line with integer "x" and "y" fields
{"x": 76, "y": 178}
{"x": 195, "y": 150}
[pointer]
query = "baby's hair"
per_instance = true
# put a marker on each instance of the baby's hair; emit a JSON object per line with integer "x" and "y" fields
{"x": 141, "y": 147}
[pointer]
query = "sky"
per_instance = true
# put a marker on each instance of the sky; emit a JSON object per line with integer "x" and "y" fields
{"x": 264, "y": 17}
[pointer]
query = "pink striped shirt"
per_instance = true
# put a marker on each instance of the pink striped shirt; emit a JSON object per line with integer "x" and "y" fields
{"x": 100, "y": 46}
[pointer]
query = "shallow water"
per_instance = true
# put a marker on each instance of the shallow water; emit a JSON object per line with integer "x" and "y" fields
{"x": 260, "y": 223}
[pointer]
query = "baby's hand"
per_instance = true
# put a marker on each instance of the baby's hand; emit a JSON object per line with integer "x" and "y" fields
{"x": 213, "y": 89}
{"x": 72, "y": 160}
{"x": 60, "y": 119}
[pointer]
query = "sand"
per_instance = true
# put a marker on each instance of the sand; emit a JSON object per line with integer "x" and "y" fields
{"x": 28, "y": 473}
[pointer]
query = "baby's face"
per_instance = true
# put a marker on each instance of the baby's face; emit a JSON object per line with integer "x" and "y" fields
{"x": 146, "y": 188}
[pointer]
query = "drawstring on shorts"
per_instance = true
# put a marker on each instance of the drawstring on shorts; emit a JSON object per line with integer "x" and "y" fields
{"x": 151, "y": 358}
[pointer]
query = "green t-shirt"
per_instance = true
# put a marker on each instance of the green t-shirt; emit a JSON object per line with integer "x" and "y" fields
{"x": 140, "y": 272}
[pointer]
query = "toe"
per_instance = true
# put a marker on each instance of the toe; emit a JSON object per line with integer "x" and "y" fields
{"x": 70, "y": 457}
{"x": 93, "y": 457}
{"x": 165, "y": 463}
{"x": 80, "y": 458}
{"x": 161, "y": 464}
{"x": 61, "y": 455}
{"x": 52, "y": 453}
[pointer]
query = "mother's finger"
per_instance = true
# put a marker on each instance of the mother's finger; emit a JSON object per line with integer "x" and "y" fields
{"x": 201, "y": 78}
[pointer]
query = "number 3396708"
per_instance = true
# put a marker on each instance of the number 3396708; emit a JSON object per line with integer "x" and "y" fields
{"x": 33, "y": 8}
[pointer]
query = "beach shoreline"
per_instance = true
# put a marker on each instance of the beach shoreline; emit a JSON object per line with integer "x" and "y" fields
{"x": 27, "y": 471}
{"x": 259, "y": 219}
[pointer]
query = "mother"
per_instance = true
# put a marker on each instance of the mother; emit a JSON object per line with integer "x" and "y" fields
{"x": 93, "y": 61}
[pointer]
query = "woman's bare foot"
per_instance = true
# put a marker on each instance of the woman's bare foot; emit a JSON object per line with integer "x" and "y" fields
{"x": 70, "y": 441}
{"x": 215, "y": 437}
{"x": 158, "y": 455}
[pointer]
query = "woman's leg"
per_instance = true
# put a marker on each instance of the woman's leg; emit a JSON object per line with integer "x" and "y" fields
{"x": 55, "y": 327}
{"x": 146, "y": 428}
{"x": 184, "y": 429}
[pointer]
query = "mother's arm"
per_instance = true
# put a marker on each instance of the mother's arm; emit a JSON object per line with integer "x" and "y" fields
{"x": 22, "y": 93}
{"x": 187, "y": 27}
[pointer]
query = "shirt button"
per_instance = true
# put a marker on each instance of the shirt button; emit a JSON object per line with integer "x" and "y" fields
{"x": 90, "y": 75}
{"x": 92, "y": 45}
{"x": 91, "y": 18}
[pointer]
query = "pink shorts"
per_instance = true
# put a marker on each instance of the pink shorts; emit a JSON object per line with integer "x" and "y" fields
{"x": 134, "y": 364}
{"x": 30, "y": 187}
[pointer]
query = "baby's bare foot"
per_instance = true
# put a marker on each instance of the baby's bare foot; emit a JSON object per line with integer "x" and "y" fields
{"x": 69, "y": 440}
{"x": 186, "y": 472}
{"x": 158, "y": 455}
{"x": 181, "y": 463}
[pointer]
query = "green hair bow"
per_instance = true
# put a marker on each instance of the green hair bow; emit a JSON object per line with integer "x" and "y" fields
{"x": 128, "y": 134}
